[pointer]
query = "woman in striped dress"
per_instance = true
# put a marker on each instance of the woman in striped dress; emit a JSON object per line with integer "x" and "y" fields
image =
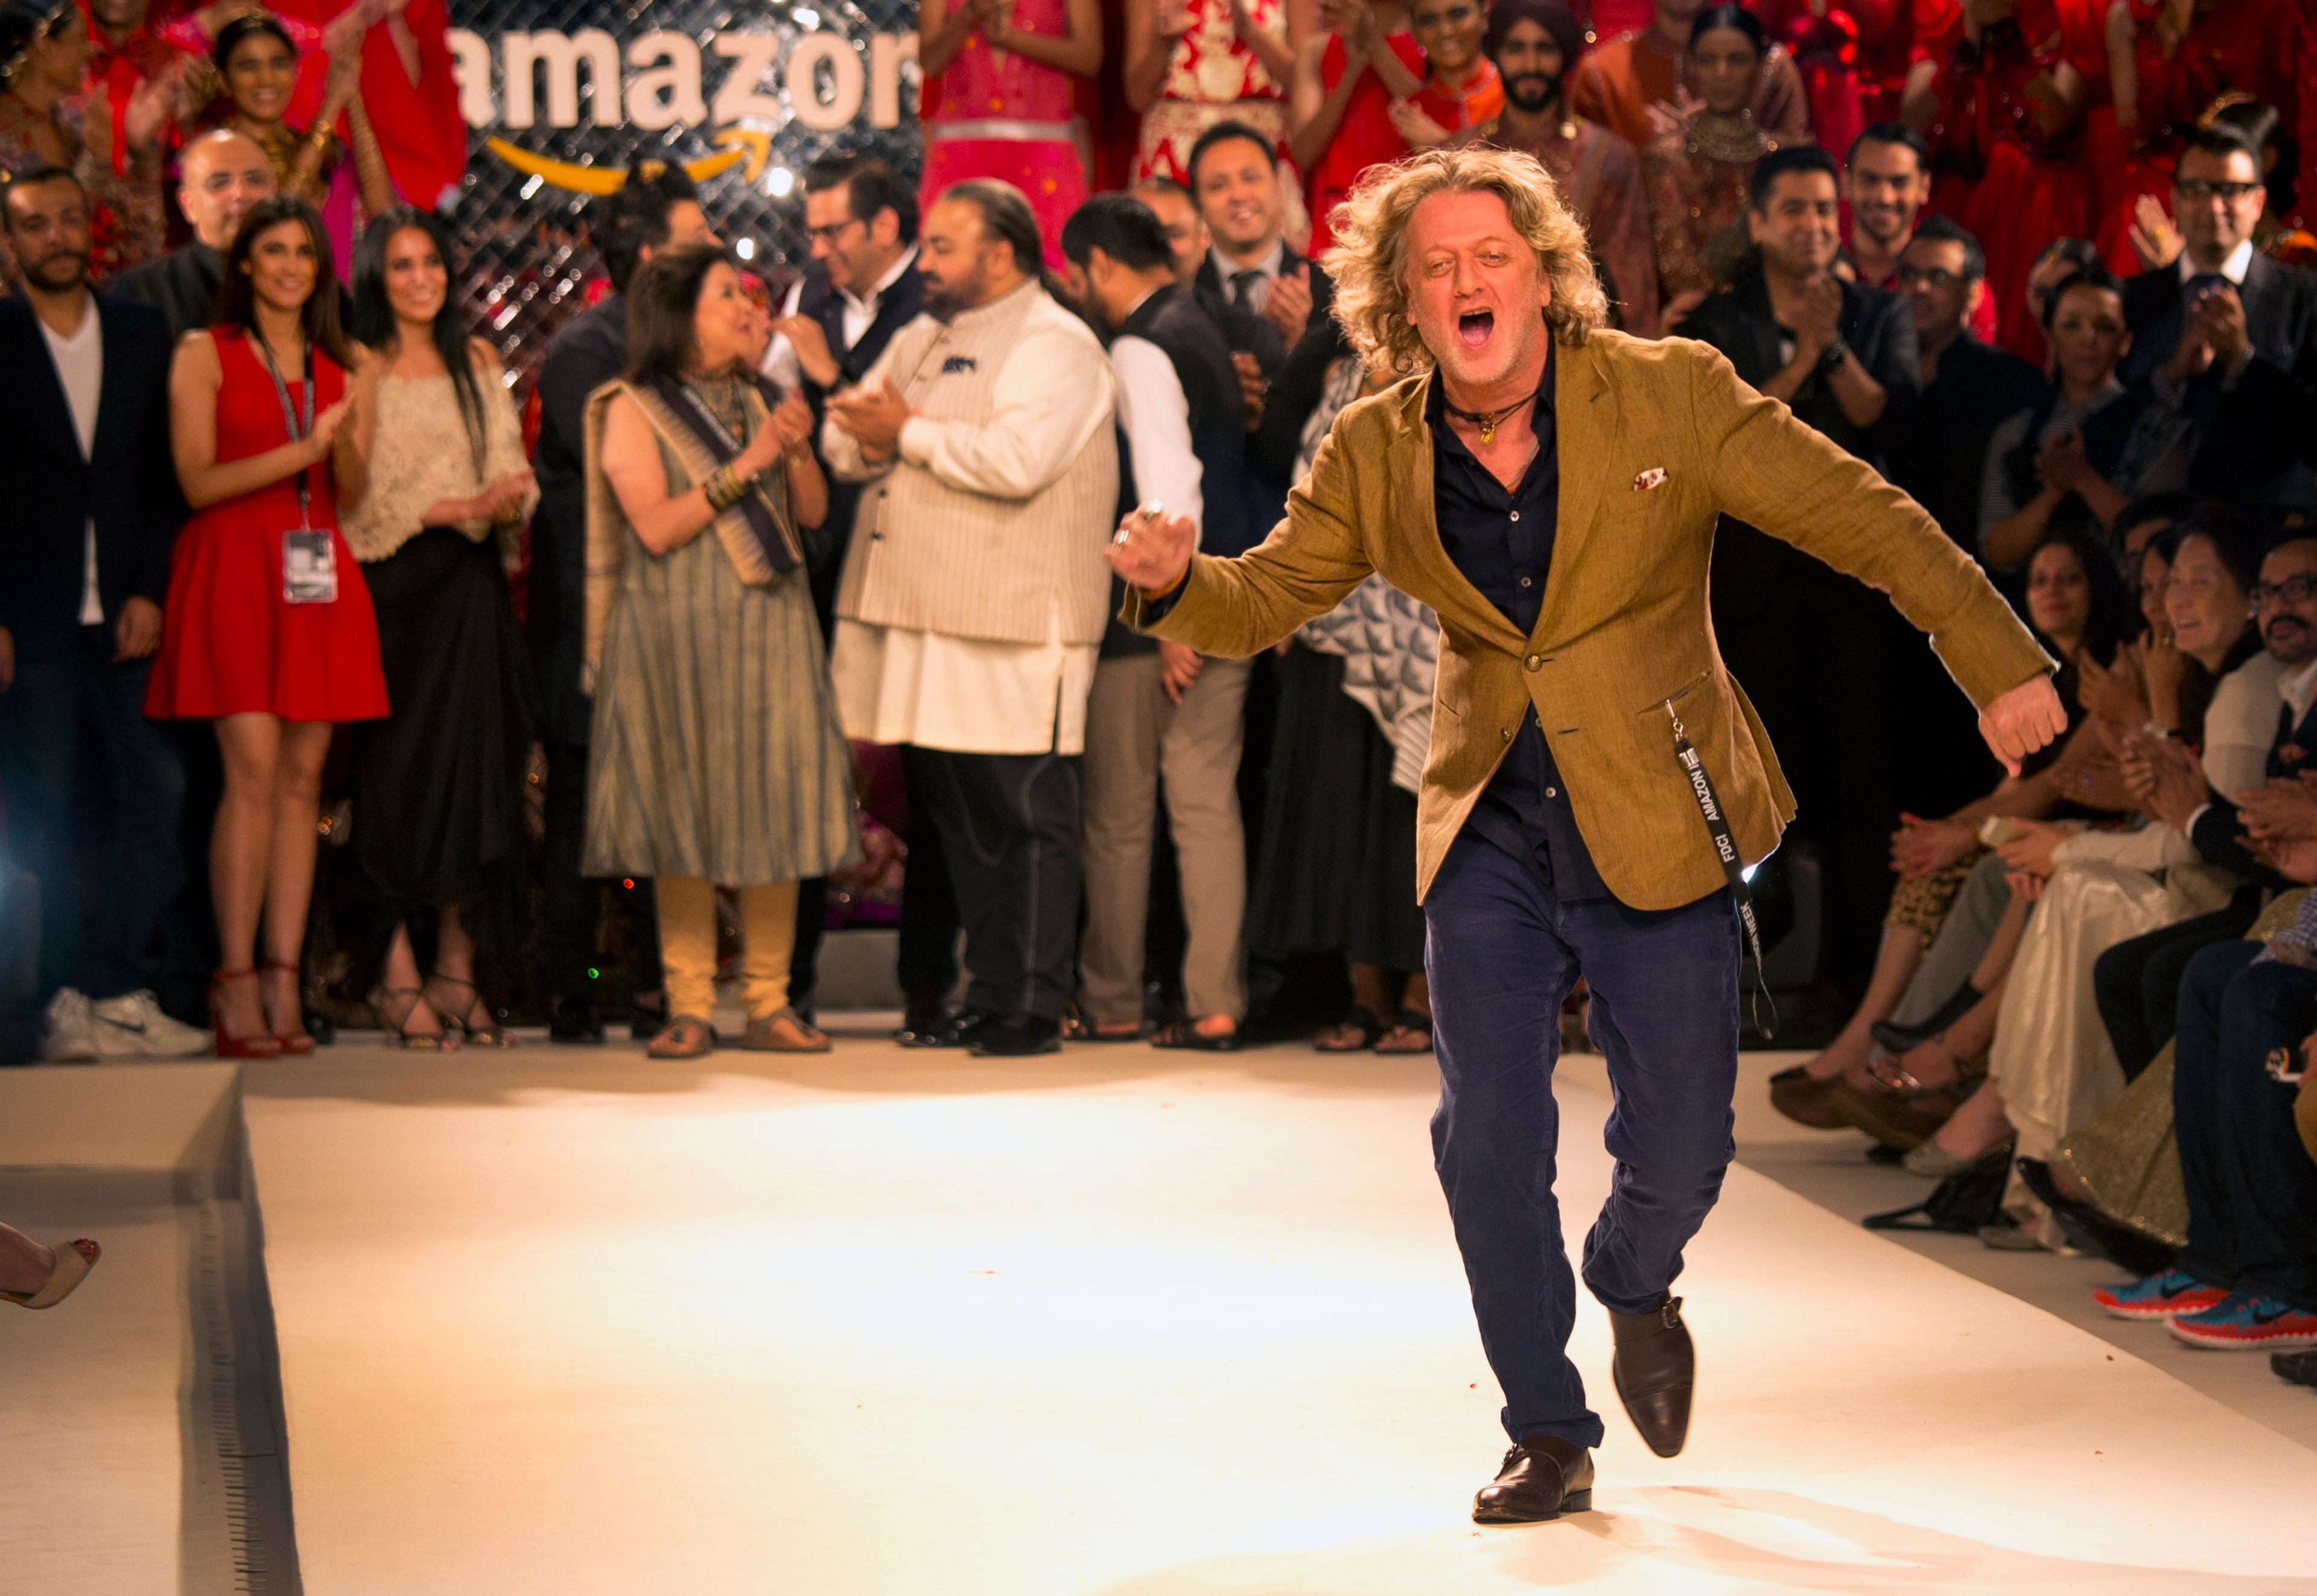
{"x": 715, "y": 760}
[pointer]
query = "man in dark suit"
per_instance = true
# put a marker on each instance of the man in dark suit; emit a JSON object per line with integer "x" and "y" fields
{"x": 2226, "y": 335}
{"x": 221, "y": 174}
{"x": 93, "y": 506}
{"x": 1816, "y": 649}
{"x": 658, "y": 211}
{"x": 862, "y": 288}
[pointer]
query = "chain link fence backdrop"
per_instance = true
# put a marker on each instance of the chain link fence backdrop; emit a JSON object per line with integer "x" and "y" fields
{"x": 682, "y": 92}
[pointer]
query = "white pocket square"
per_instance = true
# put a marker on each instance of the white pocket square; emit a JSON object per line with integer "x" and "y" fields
{"x": 1655, "y": 477}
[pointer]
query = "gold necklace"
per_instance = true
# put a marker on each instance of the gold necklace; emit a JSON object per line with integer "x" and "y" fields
{"x": 1732, "y": 140}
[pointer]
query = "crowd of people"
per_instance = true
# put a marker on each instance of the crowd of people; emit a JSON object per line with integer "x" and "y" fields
{"x": 814, "y": 567}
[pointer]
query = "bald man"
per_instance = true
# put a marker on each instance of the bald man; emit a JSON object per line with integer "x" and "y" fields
{"x": 222, "y": 174}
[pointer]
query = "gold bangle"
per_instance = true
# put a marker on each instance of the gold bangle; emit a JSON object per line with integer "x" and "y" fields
{"x": 321, "y": 139}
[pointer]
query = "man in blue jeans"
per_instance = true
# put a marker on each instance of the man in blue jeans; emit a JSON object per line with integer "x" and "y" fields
{"x": 92, "y": 508}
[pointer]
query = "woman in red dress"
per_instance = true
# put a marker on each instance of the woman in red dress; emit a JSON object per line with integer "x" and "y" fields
{"x": 1461, "y": 87}
{"x": 1345, "y": 81}
{"x": 268, "y": 630}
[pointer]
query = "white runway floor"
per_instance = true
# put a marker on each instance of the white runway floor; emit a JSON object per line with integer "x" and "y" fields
{"x": 1126, "y": 1323}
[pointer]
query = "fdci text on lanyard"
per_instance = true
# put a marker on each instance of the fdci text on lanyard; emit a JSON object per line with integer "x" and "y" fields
{"x": 1734, "y": 868}
{"x": 309, "y": 566}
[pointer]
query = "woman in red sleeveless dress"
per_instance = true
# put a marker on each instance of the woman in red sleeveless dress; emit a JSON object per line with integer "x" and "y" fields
{"x": 268, "y": 630}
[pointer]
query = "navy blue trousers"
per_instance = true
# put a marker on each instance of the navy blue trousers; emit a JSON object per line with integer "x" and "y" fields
{"x": 1503, "y": 952}
{"x": 54, "y": 714}
{"x": 2252, "y": 1191}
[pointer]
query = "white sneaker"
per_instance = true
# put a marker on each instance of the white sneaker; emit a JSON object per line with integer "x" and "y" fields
{"x": 69, "y": 1033}
{"x": 132, "y": 1025}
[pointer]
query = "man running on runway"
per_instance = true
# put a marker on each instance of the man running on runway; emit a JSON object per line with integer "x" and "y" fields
{"x": 1551, "y": 490}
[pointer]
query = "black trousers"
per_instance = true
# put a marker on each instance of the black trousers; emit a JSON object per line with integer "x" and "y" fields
{"x": 2136, "y": 984}
{"x": 926, "y": 961}
{"x": 575, "y": 902}
{"x": 1009, "y": 832}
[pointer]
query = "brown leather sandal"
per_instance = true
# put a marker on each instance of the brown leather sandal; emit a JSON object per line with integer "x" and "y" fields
{"x": 783, "y": 1030}
{"x": 685, "y": 1036}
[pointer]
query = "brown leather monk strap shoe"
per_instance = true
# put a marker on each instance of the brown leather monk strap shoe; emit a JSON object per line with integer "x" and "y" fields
{"x": 1655, "y": 1367}
{"x": 1543, "y": 1478}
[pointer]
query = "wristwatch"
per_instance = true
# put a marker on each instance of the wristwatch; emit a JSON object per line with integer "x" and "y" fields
{"x": 1832, "y": 355}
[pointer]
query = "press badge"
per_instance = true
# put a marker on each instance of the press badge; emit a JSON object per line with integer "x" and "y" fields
{"x": 310, "y": 567}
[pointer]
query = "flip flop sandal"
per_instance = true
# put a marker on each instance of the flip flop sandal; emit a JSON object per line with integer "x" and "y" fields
{"x": 685, "y": 1036}
{"x": 1182, "y": 1033}
{"x": 1359, "y": 1019}
{"x": 1408, "y": 1020}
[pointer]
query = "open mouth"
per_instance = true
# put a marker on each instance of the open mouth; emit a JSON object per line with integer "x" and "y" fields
{"x": 1474, "y": 326}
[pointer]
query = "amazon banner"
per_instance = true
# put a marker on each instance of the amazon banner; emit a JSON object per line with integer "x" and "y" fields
{"x": 563, "y": 98}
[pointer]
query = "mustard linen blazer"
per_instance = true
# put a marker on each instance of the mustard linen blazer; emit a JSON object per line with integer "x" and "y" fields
{"x": 1657, "y": 439}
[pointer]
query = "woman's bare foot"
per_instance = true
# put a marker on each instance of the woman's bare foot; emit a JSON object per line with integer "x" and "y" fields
{"x": 25, "y": 1265}
{"x": 285, "y": 1005}
{"x": 1847, "y": 1052}
{"x": 1932, "y": 1065}
{"x": 1978, "y": 1127}
{"x": 239, "y": 1006}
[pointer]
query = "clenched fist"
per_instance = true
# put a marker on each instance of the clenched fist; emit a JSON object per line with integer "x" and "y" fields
{"x": 1151, "y": 553}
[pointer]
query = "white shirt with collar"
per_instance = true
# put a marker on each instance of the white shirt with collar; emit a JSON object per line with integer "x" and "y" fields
{"x": 1272, "y": 262}
{"x": 1157, "y": 415}
{"x": 781, "y": 362}
{"x": 80, "y": 371}
{"x": 2239, "y": 263}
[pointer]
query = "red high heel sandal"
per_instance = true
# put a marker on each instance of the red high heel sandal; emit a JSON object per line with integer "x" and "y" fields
{"x": 263, "y": 1045}
{"x": 297, "y": 1042}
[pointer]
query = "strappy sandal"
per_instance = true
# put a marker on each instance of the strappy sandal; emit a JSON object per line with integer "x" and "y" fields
{"x": 783, "y": 1030}
{"x": 75, "y": 1258}
{"x": 297, "y": 1042}
{"x": 685, "y": 1036}
{"x": 1411, "y": 1021}
{"x": 1899, "y": 1108}
{"x": 1185, "y": 1034}
{"x": 493, "y": 1034}
{"x": 1332, "y": 1039}
{"x": 413, "y": 1041}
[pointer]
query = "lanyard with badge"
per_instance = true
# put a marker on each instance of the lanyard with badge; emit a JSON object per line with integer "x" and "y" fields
{"x": 310, "y": 560}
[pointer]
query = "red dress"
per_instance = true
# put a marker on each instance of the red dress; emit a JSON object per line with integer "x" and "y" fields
{"x": 230, "y": 643}
{"x": 1363, "y": 139}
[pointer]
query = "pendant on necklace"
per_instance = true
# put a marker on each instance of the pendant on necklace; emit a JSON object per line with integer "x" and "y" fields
{"x": 1488, "y": 432}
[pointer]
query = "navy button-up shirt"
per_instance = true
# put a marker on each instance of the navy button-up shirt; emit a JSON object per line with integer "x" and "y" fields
{"x": 1502, "y": 540}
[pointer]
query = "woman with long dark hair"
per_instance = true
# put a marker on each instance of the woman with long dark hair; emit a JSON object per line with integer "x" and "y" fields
{"x": 1696, "y": 174}
{"x": 256, "y": 62}
{"x": 44, "y": 122}
{"x": 436, "y": 485}
{"x": 715, "y": 759}
{"x": 268, "y": 630}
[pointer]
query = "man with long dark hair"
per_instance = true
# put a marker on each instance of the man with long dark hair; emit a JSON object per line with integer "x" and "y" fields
{"x": 657, "y": 209}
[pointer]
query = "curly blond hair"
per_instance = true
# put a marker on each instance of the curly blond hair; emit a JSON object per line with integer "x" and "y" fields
{"x": 1369, "y": 261}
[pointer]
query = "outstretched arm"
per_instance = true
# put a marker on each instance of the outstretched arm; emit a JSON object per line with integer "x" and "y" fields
{"x": 1232, "y": 608}
{"x": 1774, "y": 472}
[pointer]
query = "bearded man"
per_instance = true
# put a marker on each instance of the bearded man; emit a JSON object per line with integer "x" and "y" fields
{"x": 1597, "y": 782}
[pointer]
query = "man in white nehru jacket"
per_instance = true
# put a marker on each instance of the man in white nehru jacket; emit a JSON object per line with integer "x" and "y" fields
{"x": 975, "y": 591}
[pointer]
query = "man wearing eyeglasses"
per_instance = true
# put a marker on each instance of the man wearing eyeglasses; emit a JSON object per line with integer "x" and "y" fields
{"x": 2228, "y": 335}
{"x": 862, "y": 288}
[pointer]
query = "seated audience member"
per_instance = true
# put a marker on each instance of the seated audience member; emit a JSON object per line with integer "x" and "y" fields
{"x": 220, "y": 176}
{"x": 2050, "y": 1066}
{"x": 971, "y": 634}
{"x": 2091, "y": 446}
{"x": 1535, "y": 45}
{"x": 1461, "y": 87}
{"x": 1158, "y": 711}
{"x": 1003, "y": 108}
{"x": 433, "y": 483}
{"x": 1635, "y": 86}
{"x": 2228, "y": 335}
{"x": 2081, "y": 612}
{"x": 1340, "y": 105}
{"x": 1698, "y": 171}
{"x": 2247, "y": 1278}
{"x": 45, "y": 122}
{"x": 716, "y": 759}
{"x": 1815, "y": 649}
{"x": 92, "y": 509}
{"x": 1337, "y": 871}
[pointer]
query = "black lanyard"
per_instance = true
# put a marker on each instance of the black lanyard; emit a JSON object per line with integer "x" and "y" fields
{"x": 299, "y": 423}
{"x": 1733, "y": 867}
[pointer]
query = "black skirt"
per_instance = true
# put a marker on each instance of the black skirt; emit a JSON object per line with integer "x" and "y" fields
{"x": 1338, "y": 872}
{"x": 438, "y": 785}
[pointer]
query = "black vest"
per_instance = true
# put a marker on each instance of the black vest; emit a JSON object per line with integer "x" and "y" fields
{"x": 1172, "y": 319}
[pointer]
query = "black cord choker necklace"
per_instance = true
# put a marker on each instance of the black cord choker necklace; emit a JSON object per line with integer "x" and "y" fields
{"x": 1488, "y": 421}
